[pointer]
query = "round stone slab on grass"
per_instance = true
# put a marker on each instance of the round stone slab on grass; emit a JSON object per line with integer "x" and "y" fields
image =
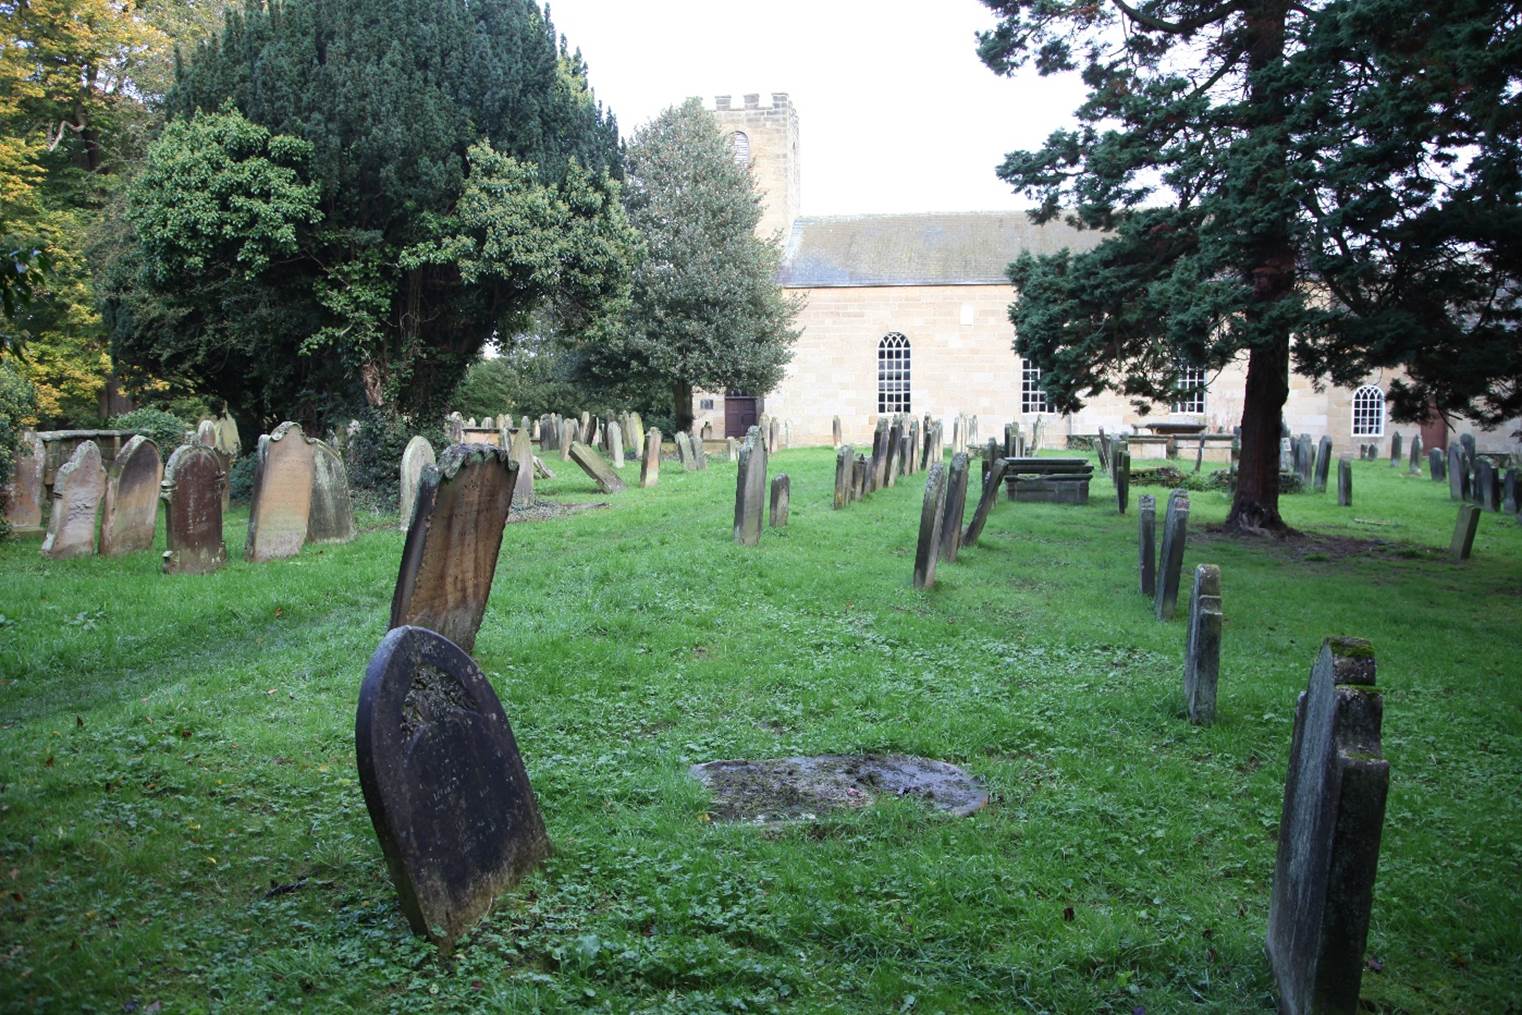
{"x": 791, "y": 789}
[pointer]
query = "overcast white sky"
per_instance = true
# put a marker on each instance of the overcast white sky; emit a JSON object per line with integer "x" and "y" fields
{"x": 895, "y": 111}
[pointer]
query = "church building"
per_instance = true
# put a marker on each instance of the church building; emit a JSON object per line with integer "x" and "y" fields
{"x": 909, "y": 312}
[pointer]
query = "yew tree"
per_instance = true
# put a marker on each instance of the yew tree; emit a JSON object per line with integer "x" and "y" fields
{"x": 1331, "y": 187}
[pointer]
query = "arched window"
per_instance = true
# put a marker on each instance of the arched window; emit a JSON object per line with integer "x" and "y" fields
{"x": 1368, "y": 412}
{"x": 1191, "y": 389}
{"x": 893, "y": 373}
{"x": 739, "y": 144}
{"x": 1032, "y": 394}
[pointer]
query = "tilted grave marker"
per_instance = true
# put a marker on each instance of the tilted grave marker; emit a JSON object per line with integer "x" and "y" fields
{"x": 1463, "y": 532}
{"x": 1171, "y": 561}
{"x": 1329, "y": 832}
{"x": 932, "y": 515}
{"x": 781, "y": 494}
{"x": 986, "y": 500}
{"x": 282, "y": 497}
{"x": 955, "y": 507}
{"x": 1146, "y": 520}
{"x": 1323, "y": 464}
{"x": 78, "y": 487}
{"x": 750, "y": 488}
{"x": 129, "y": 519}
{"x": 684, "y": 451}
{"x": 1202, "y": 651}
{"x": 650, "y": 462}
{"x": 445, "y": 786}
{"x": 417, "y": 455}
{"x": 593, "y": 465}
{"x": 192, "y": 492}
{"x": 331, "y": 518}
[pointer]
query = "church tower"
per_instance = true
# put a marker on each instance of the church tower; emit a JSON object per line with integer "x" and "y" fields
{"x": 765, "y": 138}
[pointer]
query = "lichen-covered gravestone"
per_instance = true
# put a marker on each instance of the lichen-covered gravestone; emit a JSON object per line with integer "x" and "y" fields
{"x": 282, "y": 498}
{"x": 593, "y": 465}
{"x": 932, "y": 516}
{"x": 650, "y": 462}
{"x": 1436, "y": 465}
{"x": 1334, "y": 813}
{"x": 843, "y": 458}
{"x": 522, "y": 446}
{"x": 955, "y": 508}
{"x": 130, "y": 517}
{"x": 78, "y": 487}
{"x": 782, "y": 489}
{"x": 1146, "y": 542}
{"x": 991, "y": 484}
{"x": 331, "y": 518}
{"x": 446, "y": 789}
{"x": 23, "y": 494}
{"x": 418, "y": 454}
{"x": 451, "y": 551}
{"x": 1202, "y": 652}
{"x": 750, "y": 488}
{"x": 192, "y": 492}
{"x": 1463, "y": 532}
{"x": 1171, "y": 561}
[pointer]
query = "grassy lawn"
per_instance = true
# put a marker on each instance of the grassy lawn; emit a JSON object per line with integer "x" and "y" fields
{"x": 181, "y": 822}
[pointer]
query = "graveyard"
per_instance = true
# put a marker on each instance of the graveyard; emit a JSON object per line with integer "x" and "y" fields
{"x": 182, "y": 826}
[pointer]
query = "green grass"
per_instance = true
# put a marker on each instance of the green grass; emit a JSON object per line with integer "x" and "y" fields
{"x": 180, "y": 819}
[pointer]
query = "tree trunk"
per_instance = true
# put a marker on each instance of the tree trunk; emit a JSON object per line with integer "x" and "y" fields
{"x": 1255, "y": 506}
{"x": 681, "y": 408}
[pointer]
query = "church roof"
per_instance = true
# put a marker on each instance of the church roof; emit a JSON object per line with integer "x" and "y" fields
{"x": 932, "y": 248}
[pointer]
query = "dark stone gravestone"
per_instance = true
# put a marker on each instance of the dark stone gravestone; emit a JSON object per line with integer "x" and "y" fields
{"x": 1171, "y": 560}
{"x": 450, "y": 555}
{"x": 1323, "y": 464}
{"x": 1304, "y": 458}
{"x": 750, "y": 488}
{"x": 444, "y": 783}
{"x": 1486, "y": 490}
{"x": 1122, "y": 480}
{"x": 844, "y": 456}
{"x": 593, "y": 465}
{"x": 1436, "y": 465}
{"x": 955, "y": 507}
{"x": 1467, "y": 442}
{"x": 1146, "y": 514}
{"x": 129, "y": 518}
{"x": 1344, "y": 482}
{"x": 781, "y": 493}
{"x": 859, "y": 470}
{"x": 1102, "y": 449}
{"x": 1463, "y": 531}
{"x": 932, "y": 513}
{"x": 1416, "y": 455}
{"x": 986, "y": 500}
{"x": 192, "y": 492}
{"x": 894, "y": 463}
{"x": 1511, "y": 491}
{"x": 1395, "y": 449}
{"x": 1458, "y": 477}
{"x": 1202, "y": 652}
{"x": 331, "y": 518}
{"x": 1329, "y": 831}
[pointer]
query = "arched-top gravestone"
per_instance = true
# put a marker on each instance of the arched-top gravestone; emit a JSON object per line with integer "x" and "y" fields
{"x": 132, "y": 498}
{"x": 282, "y": 500}
{"x": 192, "y": 492}
{"x": 419, "y": 453}
{"x": 206, "y": 433}
{"x": 444, "y": 783}
{"x": 229, "y": 442}
{"x": 77, "y": 489}
{"x": 23, "y": 494}
{"x": 331, "y": 519}
{"x": 450, "y": 554}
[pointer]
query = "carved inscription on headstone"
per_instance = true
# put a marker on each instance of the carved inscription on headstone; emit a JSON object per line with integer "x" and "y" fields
{"x": 78, "y": 488}
{"x": 192, "y": 492}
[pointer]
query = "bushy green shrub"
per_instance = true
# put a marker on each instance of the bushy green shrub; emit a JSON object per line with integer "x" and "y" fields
{"x": 240, "y": 478}
{"x": 163, "y": 428}
{"x": 18, "y": 404}
{"x": 375, "y": 455}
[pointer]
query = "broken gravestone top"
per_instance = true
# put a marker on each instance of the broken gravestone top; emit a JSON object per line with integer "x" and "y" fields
{"x": 787, "y": 789}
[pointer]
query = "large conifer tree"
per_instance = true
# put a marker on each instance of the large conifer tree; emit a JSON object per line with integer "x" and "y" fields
{"x": 1333, "y": 183}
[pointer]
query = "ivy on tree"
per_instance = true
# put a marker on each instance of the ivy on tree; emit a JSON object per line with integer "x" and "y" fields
{"x": 1328, "y": 185}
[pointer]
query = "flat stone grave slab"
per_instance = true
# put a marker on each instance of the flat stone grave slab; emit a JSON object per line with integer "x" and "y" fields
{"x": 803, "y": 788}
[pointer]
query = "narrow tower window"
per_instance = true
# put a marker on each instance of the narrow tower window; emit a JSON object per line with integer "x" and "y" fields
{"x": 739, "y": 143}
{"x": 893, "y": 373}
{"x": 1368, "y": 412}
{"x": 1032, "y": 395}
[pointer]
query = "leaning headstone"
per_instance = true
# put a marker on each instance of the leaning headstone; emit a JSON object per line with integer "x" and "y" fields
{"x": 446, "y": 789}
{"x": 568, "y": 436}
{"x": 782, "y": 490}
{"x": 1467, "y": 443}
{"x": 955, "y": 508}
{"x": 593, "y": 465}
{"x": 750, "y": 488}
{"x": 450, "y": 555}
{"x": 650, "y": 463}
{"x": 843, "y": 458}
{"x": 1463, "y": 532}
{"x": 1171, "y": 561}
{"x": 932, "y": 516}
{"x": 1323, "y": 464}
{"x": 331, "y": 519}
{"x": 129, "y": 517}
{"x": 684, "y": 451}
{"x": 282, "y": 497}
{"x": 78, "y": 487}
{"x": 192, "y": 492}
{"x": 1146, "y": 509}
{"x": 417, "y": 455}
{"x": 522, "y": 449}
{"x": 1395, "y": 449}
{"x": 1486, "y": 490}
{"x": 1329, "y": 831}
{"x": 23, "y": 494}
{"x": 1344, "y": 482}
{"x": 991, "y": 485}
{"x": 1437, "y": 465}
{"x": 1416, "y": 455}
{"x": 1202, "y": 653}
{"x": 1511, "y": 491}
{"x": 835, "y": 431}
{"x": 1122, "y": 480}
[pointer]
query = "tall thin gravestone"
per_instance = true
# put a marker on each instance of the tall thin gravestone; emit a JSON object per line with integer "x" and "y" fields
{"x": 1171, "y": 561}
{"x": 450, "y": 556}
{"x": 1202, "y": 653}
{"x": 1122, "y": 480}
{"x": 282, "y": 497}
{"x": 750, "y": 488}
{"x": 1329, "y": 832}
{"x": 1146, "y": 514}
{"x": 1323, "y": 464}
{"x": 650, "y": 463}
{"x": 446, "y": 789}
{"x": 932, "y": 513}
{"x": 684, "y": 451}
{"x": 192, "y": 492}
{"x": 1395, "y": 449}
{"x": 78, "y": 487}
{"x": 331, "y": 518}
{"x": 1486, "y": 491}
{"x": 1463, "y": 532}
{"x": 23, "y": 494}
{"x": 955, "y": 508}
{"x": 835, "y": 430}
{"x": 1436, "y": 465}
{"x": 522, "y": 450}
{"x": 129, "y": 518}
{"x": 782, "y": 489}
{"x": 417, "y": 455}
{"x": 1344, "y": 482}
{"x": 859, "y": 471}
{"x": 1511, "y": 491}
{"x": 844, "y": 456}
{"x": 616, "y": 443}
{"x": 1416, "y": 455}
{"x": 1458, "y": 477}
{"x": 990, "y": 493}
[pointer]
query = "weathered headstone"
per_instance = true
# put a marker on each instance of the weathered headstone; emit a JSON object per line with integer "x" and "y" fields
{"x": 650, "y": 462}
{"x": 1395, "y": 449}
{"x": 569, "y": 435}
{"x": 446, "y": 789}
{"x": 1344, "y": 482}
{"x": 593, "y": 465}
{"x": 782, "y": 490}
{"x": 1511, "y": 491}
{"x": 699, "y": 452}
{"x": 78, "y": 487}
{"x": 331, "y": 518}
{"x": 522, "y": 450}
{"x": 1437, "y": 465}
{"x": 129, "y": 517}
{"x": 192, "y": 492}
{"x": 1122, "y": 480}
{"x": 1323, "y": 464}
{"x": 684, "y": 451}
{"x": 932, "y": 516}
{"x": 1463, "y": 532}
{"x": 206, "y": 433}
{"x": 750, "y": 488}
{"x": 844, "y": 455}
{"x": 451, "y": 551}
{"x": 282, "y": 497}
{"x": 635, "y": 433}
{"x": 417, "y": 455}
{"x": 1202, "y": 653}
{"x": 835, "y": 431}
{"x": 1305, "y": 459}
{"x": 1329, "y": 831}
{"x": 454, "y": 426}
{"x": 1171, "y": 560}
{"x": 1416, "y": 454}
{"x": 859, "y": 477}
{"x": 774, "y": 437}
{"x": 1466, "y": 442}
{"x": 990, "y": 493}
{"x": 732, "y": 448}
{"x": 955, "y": 507}
{"x": 23, "y": 494}
{"x": 1486, "y": 490}
{"x": 1458, "y": 477}
{"x": 1146, "y": 510}
{"x": 892, "y": 464}
{"x": 615, "y": 434}
{"x": 229, "y": 441}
